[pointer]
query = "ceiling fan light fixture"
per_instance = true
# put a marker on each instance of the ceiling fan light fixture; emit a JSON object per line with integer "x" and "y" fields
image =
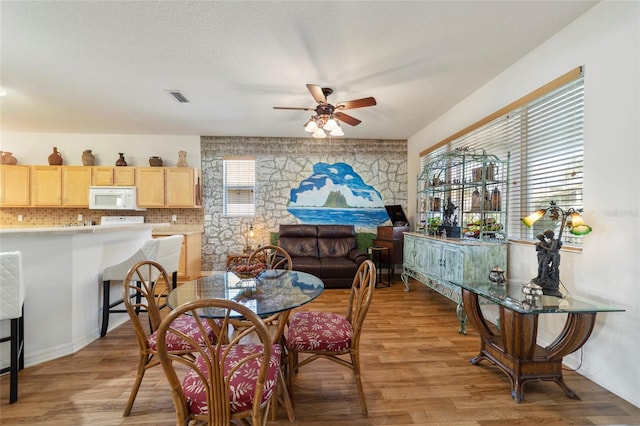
{"x": 311, "y": 126}
{"x": 325, "y": 119}
{"x": 319, "y": 134}
{"x": 337, "y": 131}
{"x": 330, "y": 125}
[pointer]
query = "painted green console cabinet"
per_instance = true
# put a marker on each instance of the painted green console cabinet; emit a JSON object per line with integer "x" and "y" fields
{"x": 441, "y": 263}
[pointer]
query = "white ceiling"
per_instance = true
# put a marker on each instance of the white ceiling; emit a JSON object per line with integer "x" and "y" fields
{"x": 104, "y": 66}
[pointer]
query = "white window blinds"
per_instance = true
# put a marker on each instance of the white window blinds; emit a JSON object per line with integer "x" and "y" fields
{"x": 543, "y": 137}
{"x": 239, "y": 186}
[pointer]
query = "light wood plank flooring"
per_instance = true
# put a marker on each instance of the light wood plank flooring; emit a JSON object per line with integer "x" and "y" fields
{"x": 416, "y": 371}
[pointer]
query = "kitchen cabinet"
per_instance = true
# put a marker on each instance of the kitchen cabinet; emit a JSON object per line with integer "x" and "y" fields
{"x": 190, "y": 264}
{"x": 14, "y": 186}
{"x": 75, "y": 186}
{"x": 102, "y": 176}
{"x": 113, "y": 176}
{"x": 124, "y": 176}
{"x": 46, "y": 186}
{"x": 182, "y": 187}
{"x": 150, "y": 186}
{"x": 444, "y": 263}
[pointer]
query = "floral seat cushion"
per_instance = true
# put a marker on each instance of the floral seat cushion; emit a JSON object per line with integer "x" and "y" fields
{"x": 243, "y": 380}
{"x": 319, "y": 331}
{"x": 188, "y": 326}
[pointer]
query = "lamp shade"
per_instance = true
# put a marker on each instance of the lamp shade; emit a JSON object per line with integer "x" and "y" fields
{"x": 330, "y": 125}
{"x": 319, "y": 134}
{"x": 578, "y": 227}
{"x": 533, "y": 218}
{"x": 337, "y": 131}
{"x": 311, "y": 126}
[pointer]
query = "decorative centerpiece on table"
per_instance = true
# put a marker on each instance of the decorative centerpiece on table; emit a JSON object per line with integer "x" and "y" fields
{"x": 246, "y": 271}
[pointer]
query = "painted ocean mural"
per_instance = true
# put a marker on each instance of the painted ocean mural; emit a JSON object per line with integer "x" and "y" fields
{"x": 336, "y": 194}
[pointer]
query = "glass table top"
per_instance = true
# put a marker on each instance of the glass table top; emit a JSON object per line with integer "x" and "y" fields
{"x": 510, "y": 295}
{"x": 273, "y": 291}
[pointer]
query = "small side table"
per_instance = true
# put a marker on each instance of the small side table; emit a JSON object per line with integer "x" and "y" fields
{"x": 379, "y": 254}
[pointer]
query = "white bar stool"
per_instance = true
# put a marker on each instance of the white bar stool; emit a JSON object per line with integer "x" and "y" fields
{"x": 12, "y": 293}
{"x": 165, "y": 251}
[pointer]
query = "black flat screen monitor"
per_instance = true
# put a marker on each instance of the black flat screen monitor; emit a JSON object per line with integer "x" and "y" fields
{"x": 396, "y": 215}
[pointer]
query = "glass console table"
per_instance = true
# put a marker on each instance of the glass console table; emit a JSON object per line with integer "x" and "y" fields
{"x": 512, "y": 347}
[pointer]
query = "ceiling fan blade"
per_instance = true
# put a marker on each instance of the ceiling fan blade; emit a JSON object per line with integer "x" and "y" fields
{"x": 357, "y": 103}
{"x": 296, "y": 108}
{"x": 346, "y": 118}
{"x": 317, "y": 93}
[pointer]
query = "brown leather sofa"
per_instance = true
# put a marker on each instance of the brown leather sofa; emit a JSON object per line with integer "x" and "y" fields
{"x": 326, "y": 251}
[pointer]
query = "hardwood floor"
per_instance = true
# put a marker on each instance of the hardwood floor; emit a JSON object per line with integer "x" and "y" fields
{"x": 416, "y": 371}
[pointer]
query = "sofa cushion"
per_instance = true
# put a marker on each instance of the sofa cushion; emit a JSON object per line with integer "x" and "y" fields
{"x": 335, "y": 247}
{"x": 310, "y": 265}
{"x": 338, "y": 267}
{"x": 299, "y": 240}
{"x": 336, "y": 240}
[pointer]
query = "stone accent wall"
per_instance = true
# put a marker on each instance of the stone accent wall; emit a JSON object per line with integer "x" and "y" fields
{"x": 281, "y": 164}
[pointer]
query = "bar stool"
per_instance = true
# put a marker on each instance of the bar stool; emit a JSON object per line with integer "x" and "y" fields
{"x": 12, "y": 293}
{"x": 165, "y": 251}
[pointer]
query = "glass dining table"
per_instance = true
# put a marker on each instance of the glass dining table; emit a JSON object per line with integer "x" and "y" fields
{"x": 273, "y": 291}
{"x": 271, "y": 295}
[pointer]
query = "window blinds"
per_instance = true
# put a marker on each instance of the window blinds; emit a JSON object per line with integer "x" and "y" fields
{"x": 543, "y": 138}
{"x": 239, "y": 186}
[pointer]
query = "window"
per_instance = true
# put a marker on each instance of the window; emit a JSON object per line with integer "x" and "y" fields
{"x": 239, "y": 186}
{"x": 542, "y": 134}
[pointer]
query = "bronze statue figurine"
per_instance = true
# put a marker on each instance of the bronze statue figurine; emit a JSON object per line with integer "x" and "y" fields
{"x": 548, "y": 251}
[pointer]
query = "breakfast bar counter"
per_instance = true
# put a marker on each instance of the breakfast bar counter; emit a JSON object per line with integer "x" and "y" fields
{"x": 62, "y": 269}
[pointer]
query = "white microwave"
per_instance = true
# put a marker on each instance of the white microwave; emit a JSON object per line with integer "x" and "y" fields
{"x": 113, "y": 198}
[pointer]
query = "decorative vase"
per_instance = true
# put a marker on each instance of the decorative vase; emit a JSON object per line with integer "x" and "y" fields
{"x": 88, "y": 159}
{"x": 8, "y": 158}
{"x": 182, "y": 159}
{"x": 155, "y": 161}
{"x": 121, "y": 161}
{"x": 55, "y": 158}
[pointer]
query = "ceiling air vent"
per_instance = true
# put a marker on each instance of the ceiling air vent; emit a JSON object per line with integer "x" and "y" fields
{"x": 178, "y": 96}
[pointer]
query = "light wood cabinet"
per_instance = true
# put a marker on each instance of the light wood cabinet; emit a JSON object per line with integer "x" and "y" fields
{"x": 113, "y": 176}
{"x": 181, "y": 186}
{"x": 14, "y": 186}
{"x": 150, "y": 186}
{"x": 75, "y": 186}
{"x": 124, "y": 176}
{"x": 46, "y": 186}
{"x": 68, "y": 186}
{"x": 102, "y": 176}
{"x": 190, "y": 263}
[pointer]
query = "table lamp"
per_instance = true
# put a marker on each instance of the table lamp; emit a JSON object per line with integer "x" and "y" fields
{"x": 548, "y": 246}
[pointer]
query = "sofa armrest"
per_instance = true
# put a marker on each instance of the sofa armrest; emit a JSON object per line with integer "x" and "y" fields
{"x": 356, "y": 254}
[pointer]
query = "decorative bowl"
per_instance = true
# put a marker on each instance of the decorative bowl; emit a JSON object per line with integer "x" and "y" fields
{"x": 248, "y": 270}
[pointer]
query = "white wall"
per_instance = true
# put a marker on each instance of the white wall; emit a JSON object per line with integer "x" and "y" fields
{"x": 34, "y": 148}
{"x": 606, "y": 40}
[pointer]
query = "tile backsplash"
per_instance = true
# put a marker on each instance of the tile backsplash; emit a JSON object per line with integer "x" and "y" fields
{"x": 66, "y": 216}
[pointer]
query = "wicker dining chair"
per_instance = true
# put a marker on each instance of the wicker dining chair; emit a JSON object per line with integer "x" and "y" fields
{"x": 274, "y": 257}
{"x": 233, "y": 377}
{"x": 332, "y": 336}
{"x": 145, "y": 288}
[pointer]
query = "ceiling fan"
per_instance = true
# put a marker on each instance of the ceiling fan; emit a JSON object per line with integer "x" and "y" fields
{"x": 328, "y": 116}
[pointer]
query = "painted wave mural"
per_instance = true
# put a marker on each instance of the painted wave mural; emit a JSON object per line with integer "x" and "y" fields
{"x": 336, "y": 194}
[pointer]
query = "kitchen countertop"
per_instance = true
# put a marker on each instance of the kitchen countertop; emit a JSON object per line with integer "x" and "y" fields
{"x": 156, "y": 229}
{"x": 169, "y": 229}
{"x": 63, "y": 230}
